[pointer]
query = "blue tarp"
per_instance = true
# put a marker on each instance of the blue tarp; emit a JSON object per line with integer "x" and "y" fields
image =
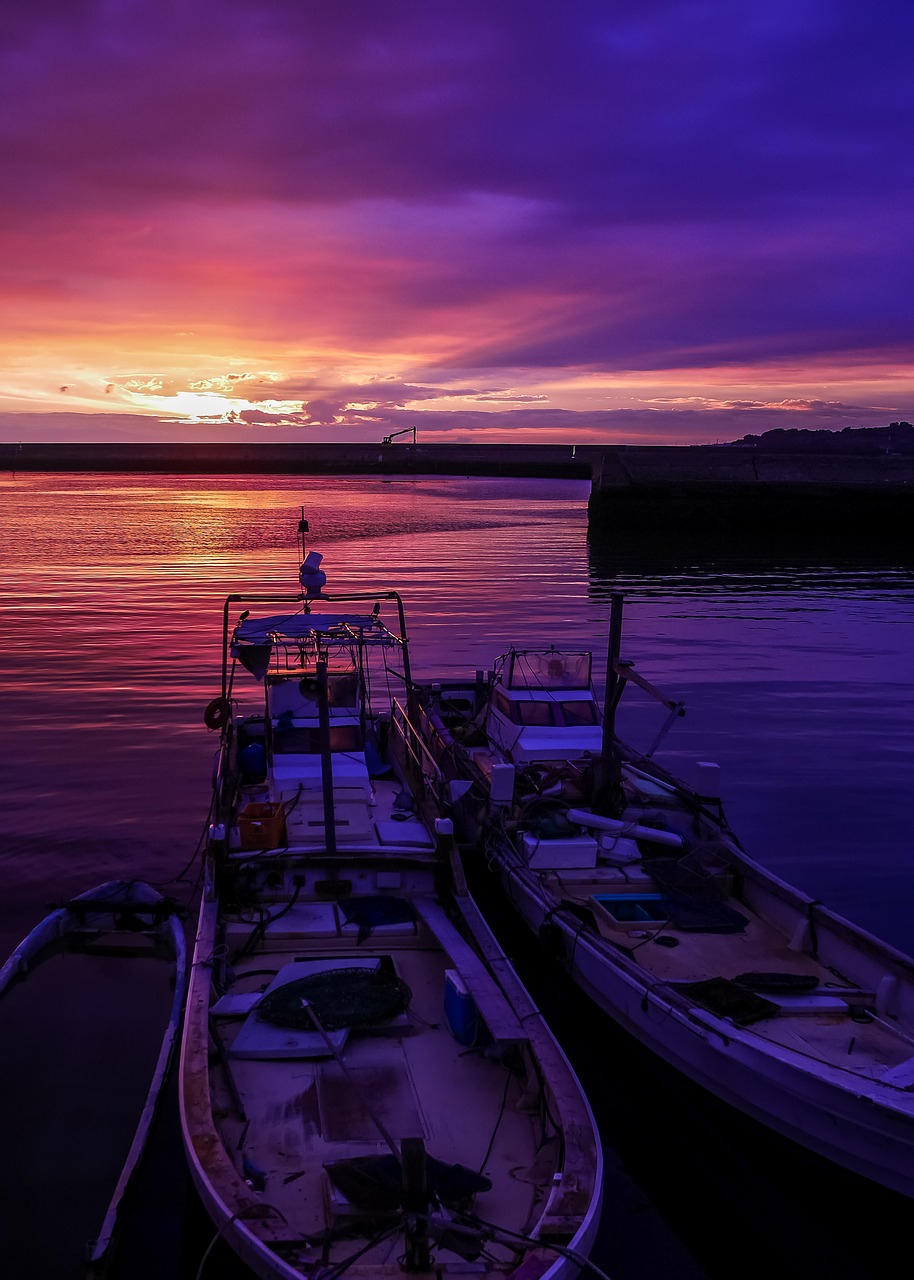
{"x": 299, "y": 626}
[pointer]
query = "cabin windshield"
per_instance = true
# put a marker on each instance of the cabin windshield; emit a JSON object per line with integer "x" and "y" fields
{"x": 307, "y": 740}
{"x": 551, "y": 669}
{"x": 548, "y": 712}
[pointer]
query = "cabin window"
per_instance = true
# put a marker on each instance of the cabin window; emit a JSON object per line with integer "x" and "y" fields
{"x": 502, "y": 704}
{"x": 536, "y": 713}
{"x": 548, "y": 712}
{"x": 342, "y": 690}
{"x": 307, "y": 740}
{"x": 579, "y": 713}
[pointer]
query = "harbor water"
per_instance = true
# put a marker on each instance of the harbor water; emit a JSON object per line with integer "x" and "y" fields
{"x": 798, "y": 685}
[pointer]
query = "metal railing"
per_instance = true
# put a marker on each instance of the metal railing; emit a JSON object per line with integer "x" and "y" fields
{"x": 413, "y": 744}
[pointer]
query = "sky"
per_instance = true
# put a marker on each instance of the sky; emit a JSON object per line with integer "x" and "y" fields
{"x": 657, "y": 221}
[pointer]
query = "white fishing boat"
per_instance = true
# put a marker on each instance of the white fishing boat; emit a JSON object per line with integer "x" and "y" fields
{"x": 366, "y": 1087}
{"x": 636, "y": 884}
{"x": 125, "y": 918}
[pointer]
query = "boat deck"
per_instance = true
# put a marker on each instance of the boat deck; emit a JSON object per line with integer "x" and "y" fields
{"x": 474, "y": 1103}
{"x": 831, "y": 1023}
{"x": 380, "y": 817}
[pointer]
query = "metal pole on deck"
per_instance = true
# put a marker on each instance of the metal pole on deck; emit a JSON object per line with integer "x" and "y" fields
{"x": 608, "y": 767}
{"x": 415, "y": 1204}
{"x": 323, "y": 720}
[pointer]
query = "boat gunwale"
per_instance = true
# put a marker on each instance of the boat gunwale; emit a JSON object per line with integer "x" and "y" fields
{"x": 50, "y": 938}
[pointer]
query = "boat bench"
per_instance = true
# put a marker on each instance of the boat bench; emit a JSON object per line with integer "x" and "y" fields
{"x": 488, "y": 997}
{"x": 809, "y": 1003}
{"x": 305, "y": 814}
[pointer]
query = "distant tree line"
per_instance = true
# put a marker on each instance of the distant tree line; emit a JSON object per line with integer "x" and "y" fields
{"x": 897, "y": 440}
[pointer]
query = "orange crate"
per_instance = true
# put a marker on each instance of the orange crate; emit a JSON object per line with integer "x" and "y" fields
{"x": 262, "y": 826}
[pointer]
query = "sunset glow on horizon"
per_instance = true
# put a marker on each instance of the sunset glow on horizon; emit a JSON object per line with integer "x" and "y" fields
{"x": 676, "y": 224}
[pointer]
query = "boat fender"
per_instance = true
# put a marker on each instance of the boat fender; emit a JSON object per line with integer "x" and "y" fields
{"x": 441, "y": 729}
{"x": 217, "y": 713}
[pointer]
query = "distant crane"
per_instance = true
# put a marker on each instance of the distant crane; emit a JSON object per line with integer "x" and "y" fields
{"x": 405, "y": 432}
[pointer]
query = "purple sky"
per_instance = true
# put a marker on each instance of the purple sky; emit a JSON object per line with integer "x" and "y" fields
{"x": 655, "y": 222}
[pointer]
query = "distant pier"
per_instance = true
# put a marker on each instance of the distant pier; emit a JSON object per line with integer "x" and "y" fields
{"x": 704, "y": 490}
{"x": 304, "y": 458}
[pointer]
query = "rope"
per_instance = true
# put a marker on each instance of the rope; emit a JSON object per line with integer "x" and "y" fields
{"x": 251, "y": 1211}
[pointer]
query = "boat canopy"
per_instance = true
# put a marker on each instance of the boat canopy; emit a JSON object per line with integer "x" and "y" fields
{"x": 301, "y": 627}
{"x": 547, "y": 669}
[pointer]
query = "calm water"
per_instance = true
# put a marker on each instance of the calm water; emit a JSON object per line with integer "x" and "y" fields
{"x": 798, "y": 682}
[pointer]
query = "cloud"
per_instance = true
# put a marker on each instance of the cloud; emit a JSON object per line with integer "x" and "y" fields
{"x": 720, "y": 110}
{"x": 252, "y": 416}
{"x": 662, "y": 424}
{"x": 329, "y": 212}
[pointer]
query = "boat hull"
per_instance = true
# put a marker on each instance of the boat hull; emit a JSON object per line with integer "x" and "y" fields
{"x": 86, "y": 922}
{"x": 247, "y": 1222}
{"x": 798, "y": 1099}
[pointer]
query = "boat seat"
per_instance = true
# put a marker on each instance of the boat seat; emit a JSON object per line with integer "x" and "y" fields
{"x": 410, "y": 833}
{"x": 488, "y": 997}
{"x": 305, "y": 919}
{"x": 305, "y": 816}
{"x": 635, "y": 874}
{"x": 349, "y": 769}
{"x": 810, "y": 1003}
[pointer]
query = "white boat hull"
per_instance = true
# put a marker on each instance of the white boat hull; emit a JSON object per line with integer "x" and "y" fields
{"x": 868, "y": 1130}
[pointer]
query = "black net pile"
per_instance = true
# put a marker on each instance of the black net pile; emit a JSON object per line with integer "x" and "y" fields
{"x": 729, "y": 1000}
{"x": 340, "y": 998}
{"x": 376, "y": 1182}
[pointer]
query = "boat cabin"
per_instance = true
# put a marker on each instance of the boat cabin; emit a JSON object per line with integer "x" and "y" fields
{"x": 542, "y": 706}
{"x": 317, "y": 746}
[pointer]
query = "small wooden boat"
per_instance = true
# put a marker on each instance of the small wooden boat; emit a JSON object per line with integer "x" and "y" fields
{"x": 366, "y": 1087}
{"x": 635, "y": 883}
{"x": 123, "y": 918}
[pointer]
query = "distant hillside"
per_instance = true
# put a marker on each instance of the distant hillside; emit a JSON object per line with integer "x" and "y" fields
{"x": 897, "y": 440}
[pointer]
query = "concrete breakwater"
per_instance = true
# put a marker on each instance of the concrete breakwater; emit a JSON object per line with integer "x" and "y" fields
{"x": 718, "y": 490}
{"x": 635, "y": 490}
{"x": 303, "y": 458}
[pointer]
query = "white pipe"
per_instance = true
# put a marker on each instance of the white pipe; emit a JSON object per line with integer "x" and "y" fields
{"x": 586, "y": 819}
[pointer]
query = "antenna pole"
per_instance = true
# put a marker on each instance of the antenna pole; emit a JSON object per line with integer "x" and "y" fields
{"x": 608, "y": 765}
{"x": 323, "y": 715}
{"x": 302, "y": 530}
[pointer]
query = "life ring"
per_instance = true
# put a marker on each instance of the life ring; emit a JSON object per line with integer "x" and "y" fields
{"x": 217, "y": 713}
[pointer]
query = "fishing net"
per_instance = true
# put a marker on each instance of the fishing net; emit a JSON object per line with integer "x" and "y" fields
{"x": 729, "y": 1000}
{"x": 376, "y": 1182}
{"x": 340, "y": 998}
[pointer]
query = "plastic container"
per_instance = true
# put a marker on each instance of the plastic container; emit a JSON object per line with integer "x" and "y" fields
{"x": 253, "y": 762}
{"x": 262, "y": 826}
{"x": 460, "y": 1010}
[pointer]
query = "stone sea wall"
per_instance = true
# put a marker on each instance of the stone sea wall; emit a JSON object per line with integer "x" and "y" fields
{"x": 709, "y": 489}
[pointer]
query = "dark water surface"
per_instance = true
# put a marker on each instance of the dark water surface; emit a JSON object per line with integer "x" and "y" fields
{"x": 799, "y": 686}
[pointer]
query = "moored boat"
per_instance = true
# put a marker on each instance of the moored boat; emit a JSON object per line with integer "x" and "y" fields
{"x": 125, "y": 918}
{"x": 366, "y": 1087}
{"x": 633, "y": 880}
